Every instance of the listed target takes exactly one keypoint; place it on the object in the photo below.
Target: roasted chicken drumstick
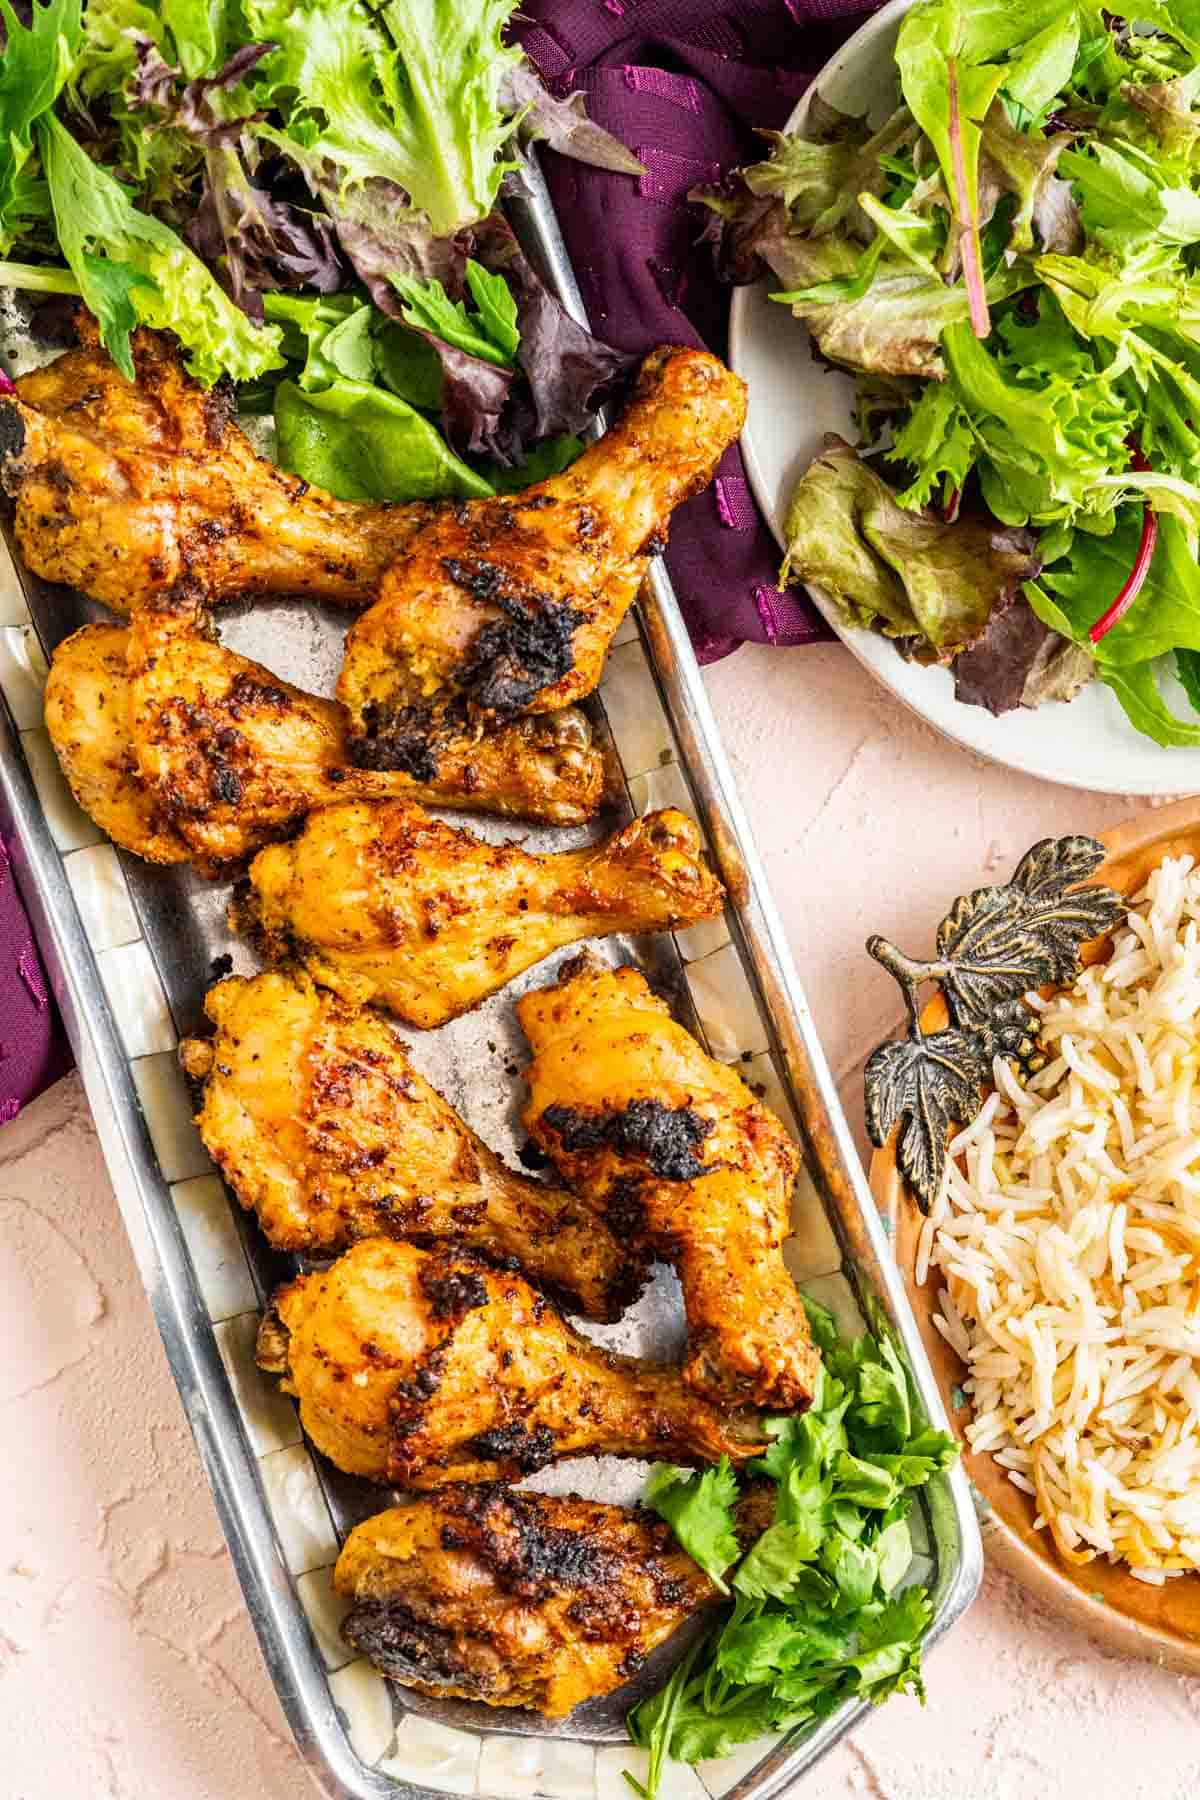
(384, 903)
(421, 1367)
(510, 604)
(318, 1121)
(686, 1161)
(182, 750)
(127, 490)
(514, 1599)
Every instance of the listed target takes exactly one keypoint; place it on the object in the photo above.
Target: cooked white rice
(1067, 1234)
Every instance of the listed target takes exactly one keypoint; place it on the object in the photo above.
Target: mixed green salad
(821, 1612)
(1011, 265)
(304, 192)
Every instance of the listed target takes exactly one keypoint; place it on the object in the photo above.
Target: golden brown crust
(512, 1598)
(319, 1123)
(385, 904)
(127, 490)
(684, 1160)
(180, 748)
(509, 605)
(422, 1367)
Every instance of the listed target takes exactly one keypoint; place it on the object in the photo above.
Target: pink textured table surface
(128, 1670)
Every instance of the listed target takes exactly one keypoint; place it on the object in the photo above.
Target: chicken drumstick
(385, 904)
(318, 1121)
(421, 1367)
(685, 1161)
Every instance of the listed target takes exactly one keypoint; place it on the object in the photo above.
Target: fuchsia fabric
(684, 83)
(33, 1048)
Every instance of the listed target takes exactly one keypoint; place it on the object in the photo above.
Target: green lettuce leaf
(1046, 437)
(1187, 669)
(132, 268)
(905, 573)
(890, 324)
(409, 95)
(1166, 614)
(34, 68)
(1126, 202)
(361, 443)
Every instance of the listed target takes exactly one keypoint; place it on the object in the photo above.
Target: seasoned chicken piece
(126, 491)
(87, 708)
(685, 1161)
(510, 604)
(386, 904)
(514, 1599)
(318, 1121)
(179, 749)
(420, 1367)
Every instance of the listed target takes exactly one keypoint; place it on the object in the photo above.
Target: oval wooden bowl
(1131, 1618)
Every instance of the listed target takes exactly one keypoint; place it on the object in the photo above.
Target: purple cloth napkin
(33, 1046)
(684, 83)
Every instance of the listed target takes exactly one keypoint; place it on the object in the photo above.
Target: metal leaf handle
(997, 944)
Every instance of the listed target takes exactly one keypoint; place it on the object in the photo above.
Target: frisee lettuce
(819, 1616)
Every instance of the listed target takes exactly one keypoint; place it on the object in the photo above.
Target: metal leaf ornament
(994, 946)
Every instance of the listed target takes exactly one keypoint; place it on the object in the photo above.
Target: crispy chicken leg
(179, 749)
(318, 1121)
(127, 491)
(510, 604)
(514, 1599)
(386, 904)
(634, 1114)
(421, 1367)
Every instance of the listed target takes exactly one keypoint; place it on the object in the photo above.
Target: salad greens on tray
(305, 193)
(1010, 264)
(819, 1614)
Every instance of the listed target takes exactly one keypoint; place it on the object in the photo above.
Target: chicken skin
(421, 1367)
(385, 904)
(182, 750)
(320, 1124)
(128, 491)
(514, 1599)
(510, 604)
(685, 1161)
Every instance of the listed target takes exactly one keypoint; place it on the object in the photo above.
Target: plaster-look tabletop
(128, 1670)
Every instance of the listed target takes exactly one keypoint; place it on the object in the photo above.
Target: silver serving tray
(129, 950)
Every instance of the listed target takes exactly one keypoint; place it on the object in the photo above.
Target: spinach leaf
(361, 443)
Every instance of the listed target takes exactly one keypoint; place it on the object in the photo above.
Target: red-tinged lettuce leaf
(562, 125)
(1024, 163)
(735, 223)
(819, 177)
(1167, 107)
(905, 573)
(895, 326)
(474, 396)
(253, 242)
(1020, 661)
(256, 244)
(1166, 614)
(378, 231)
(568, 372)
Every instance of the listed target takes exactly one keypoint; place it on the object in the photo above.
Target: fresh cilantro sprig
(819, 1616)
